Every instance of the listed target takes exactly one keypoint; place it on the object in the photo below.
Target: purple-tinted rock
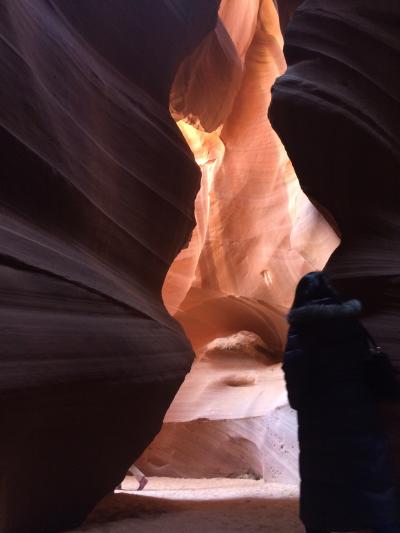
(337, 111)
(96, 192)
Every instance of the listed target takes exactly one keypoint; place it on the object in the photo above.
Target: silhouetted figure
(346, 479)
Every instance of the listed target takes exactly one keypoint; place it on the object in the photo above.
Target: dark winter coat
(346, 480)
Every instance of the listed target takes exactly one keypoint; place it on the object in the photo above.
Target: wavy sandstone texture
(99, 197)
(337, 110)
(257, 233)
(97, 193)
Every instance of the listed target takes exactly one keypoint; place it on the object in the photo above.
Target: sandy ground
(198, 506)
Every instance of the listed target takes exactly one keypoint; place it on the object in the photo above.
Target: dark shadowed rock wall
(337, 111)
(286, 9)
(96, 199)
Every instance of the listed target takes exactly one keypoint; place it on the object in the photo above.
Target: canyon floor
(197, 506)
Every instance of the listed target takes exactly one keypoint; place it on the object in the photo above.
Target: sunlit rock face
(257, 233)
(97, 194)
(337, 111)
(230, 418)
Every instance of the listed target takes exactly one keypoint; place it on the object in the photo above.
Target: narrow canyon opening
(228, 444)
(171, 169)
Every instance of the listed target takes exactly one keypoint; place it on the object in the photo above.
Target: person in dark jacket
(345, 469)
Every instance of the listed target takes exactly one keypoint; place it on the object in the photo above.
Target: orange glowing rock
(257, 234)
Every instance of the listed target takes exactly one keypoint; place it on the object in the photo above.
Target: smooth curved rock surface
(257, 233)
(97, 197)
(337, 111)
(230, 418)
(207, 83)
(262, 447)
(252, 204)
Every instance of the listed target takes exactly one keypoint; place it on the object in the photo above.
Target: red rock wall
(97, 192)
(257, 233)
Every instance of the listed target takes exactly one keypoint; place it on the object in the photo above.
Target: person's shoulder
(323, 311)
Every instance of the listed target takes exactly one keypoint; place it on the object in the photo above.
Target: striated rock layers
(257, 233)
(97, 192)
(337, 110)
(230, 418)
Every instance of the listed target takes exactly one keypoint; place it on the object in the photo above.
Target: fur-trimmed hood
(321, 310)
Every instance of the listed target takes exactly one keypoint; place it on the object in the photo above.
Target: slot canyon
(171, 169)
